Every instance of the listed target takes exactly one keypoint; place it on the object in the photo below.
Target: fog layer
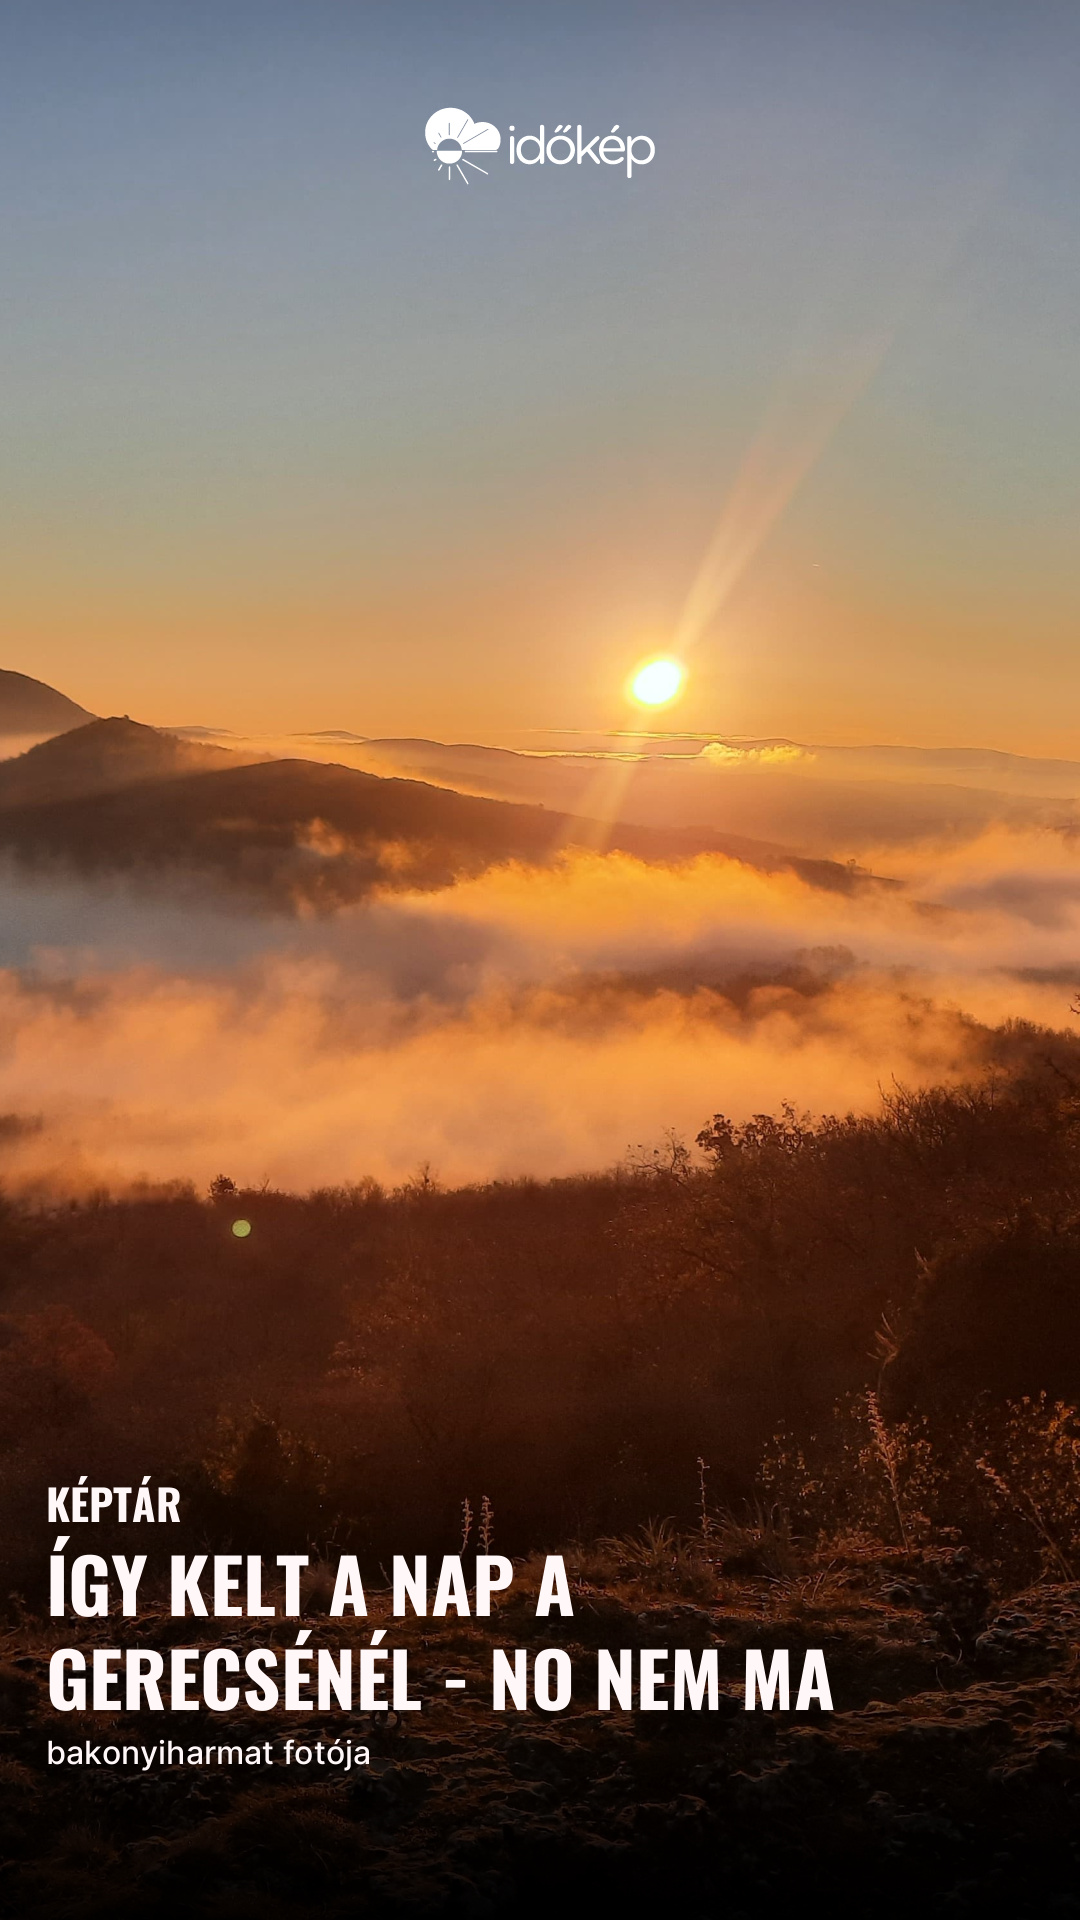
(524, 1023)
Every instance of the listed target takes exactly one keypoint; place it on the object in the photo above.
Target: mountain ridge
(98, 758)
(301, 832)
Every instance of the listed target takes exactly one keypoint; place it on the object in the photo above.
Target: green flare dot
(241, 1228)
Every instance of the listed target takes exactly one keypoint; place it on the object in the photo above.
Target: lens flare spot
(241, 1228)
(657, 682)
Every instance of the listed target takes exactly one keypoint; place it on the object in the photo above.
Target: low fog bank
(529, 1022)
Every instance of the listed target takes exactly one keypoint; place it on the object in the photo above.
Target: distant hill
(837, 801)
(29, 706)
(99, 758)
(298, 833)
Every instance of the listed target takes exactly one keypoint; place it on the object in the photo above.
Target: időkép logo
(455, 137)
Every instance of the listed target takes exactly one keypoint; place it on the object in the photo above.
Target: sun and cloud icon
(454, 136)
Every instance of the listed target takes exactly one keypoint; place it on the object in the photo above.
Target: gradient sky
(295, 434)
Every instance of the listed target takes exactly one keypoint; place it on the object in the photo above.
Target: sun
(657, 683)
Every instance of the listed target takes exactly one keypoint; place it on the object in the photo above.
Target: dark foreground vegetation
(946, 1781)
(839, 1363)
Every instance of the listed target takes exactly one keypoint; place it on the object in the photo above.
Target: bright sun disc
(657, 683)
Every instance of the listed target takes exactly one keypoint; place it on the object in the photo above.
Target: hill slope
(297, 832)
(99, 758)
(28, 706)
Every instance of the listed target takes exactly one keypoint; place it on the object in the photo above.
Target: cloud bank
(524, 1023)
